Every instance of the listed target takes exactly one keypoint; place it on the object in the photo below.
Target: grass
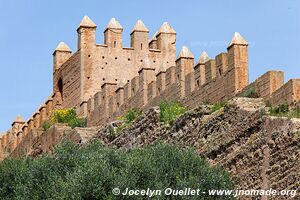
(250, 93)
(218, 106)
(284, 110)
(170, 111)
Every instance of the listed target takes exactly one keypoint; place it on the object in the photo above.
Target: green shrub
(250, 93)
(77, 122)
(67, 116)
(283, 110)
(92, 171)
(129, 117)
(170, 111)
(132, 115)
(217, 106)
(46, 125)
(63, 115)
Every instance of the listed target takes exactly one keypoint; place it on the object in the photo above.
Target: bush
(285, 111)
(63, 115)
(250, 93)
(77, 122)
(217, 106)
(67, 116)
(169, 111)
(46, 125)
(130, 116)
(92, 171)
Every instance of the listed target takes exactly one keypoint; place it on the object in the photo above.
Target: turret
(185, 60)
(113, 34)
(86, 33)
(17, 124)
(146, 76)
(200, 69)
(166, 42)
(60, 55)
(185, 65)
(139, 36)
(86, 45)
(238, 61)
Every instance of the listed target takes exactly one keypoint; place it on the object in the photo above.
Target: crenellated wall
(103, 81)
(209, 80)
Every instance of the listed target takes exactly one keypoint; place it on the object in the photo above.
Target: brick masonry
(103, 81)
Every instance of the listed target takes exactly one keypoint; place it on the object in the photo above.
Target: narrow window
(115, 44)
(60, 90)
(198, 83)
(220, 71)
(141, 46)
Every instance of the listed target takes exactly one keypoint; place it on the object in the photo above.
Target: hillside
(259, 151)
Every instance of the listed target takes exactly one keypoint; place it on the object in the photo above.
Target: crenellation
(221, 64)
(170, 76)
(210, 70)
(36, 119)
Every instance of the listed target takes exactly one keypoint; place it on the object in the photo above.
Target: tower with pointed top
(166, 43)
(86, 47)
(60, 55)
(139, 36)
(113, 34)
(17, 124)
(185, 66)
(200, 69)
(238, 63)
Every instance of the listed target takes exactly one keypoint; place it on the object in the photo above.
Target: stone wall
(103, 81)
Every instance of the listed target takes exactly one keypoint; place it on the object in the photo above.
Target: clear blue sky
(30, 30)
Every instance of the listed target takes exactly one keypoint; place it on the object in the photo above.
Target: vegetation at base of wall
(250, 93)
(92, 171)
(217, 106)
(67, 116)
(46, 125)
(284, 110)
(170, 111)
(130, 116)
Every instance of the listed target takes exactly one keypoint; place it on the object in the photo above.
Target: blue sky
(32, 29)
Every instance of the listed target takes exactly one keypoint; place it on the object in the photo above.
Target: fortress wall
(178, 84)
(266, 84)
(112, 62)
(289, 93)
(91, 78)
(70, 74)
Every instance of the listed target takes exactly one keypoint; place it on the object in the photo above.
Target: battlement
(103, 81)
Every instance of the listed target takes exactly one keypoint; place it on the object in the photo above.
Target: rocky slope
(259, 151)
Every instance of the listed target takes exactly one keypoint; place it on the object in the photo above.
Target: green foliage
(63, 115)
(218, 106)
(67, 116)
(77, 122)
(170, 111)
(130, 116)
(46, 125)
(92, 171)
(250, 93)
(283, 110)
